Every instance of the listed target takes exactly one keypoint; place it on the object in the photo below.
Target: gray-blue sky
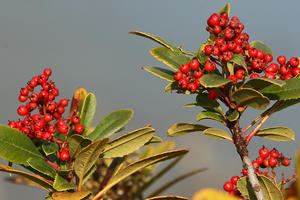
(87, 44)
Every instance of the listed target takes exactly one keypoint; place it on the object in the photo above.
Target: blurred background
(86, 44)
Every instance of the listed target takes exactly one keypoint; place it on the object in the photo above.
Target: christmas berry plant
(228, 69)
(68, 158)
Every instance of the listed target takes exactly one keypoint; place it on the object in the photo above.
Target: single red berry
(33, 97)
(198, 73)
(257, 63)
(55, 92)
(50, 106)
(47, 72)
(38, 134)
(51, 97)
(213, 95)
(185, 68)
(264, 152)
(227, 55)
(64, 102)
(208, 49)
(260, 54)
(217, 29)
(228, 186)
(286, 162)
(231, 45)
(60, 109)
(79, 128)
(238, 41)
(272, 162)
(252, 52)
(61, 123)
(22, 98)
(43, 95)
(194, 64)
(268, 58)
(48, 117)
(12, 124)
(42, 78)
(254, 75)
(213, 20)
(288, 76)
(215, 51)
(220, 41)
(281, 60)
(25, 130)
(47, 136)
(229, 33)
(240, 74)
(210, 66)
(269, 75)
(27, 121)
(238, 49)
(183, 83)
(240, 27)
(33, 83)
(255, 164)
(51, 129)
(36, 117)
(178, 75)
(274, 153)
(294, 61)
(46, 86)
(22, 110)
(233, 78)
(64, 155)
(272, 68)
(24, 91)
(296, 71)
(192, 87)
(284, 69)
(222, 21)
(63, 129)
(234, 180)
(75, 119)
(259, 160)
(265, 163)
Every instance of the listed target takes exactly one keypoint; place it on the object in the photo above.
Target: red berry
(194, 64)
(255, 164)
(227, 55)
(288, 76)
(79, 128)
(198, 73)
(47, 136)
(274, 153)
(217, 29)
(183, 83)
(272, 68)
(268, 58)
(265, 163)
(233, 78)
(213, 95)
(284, 69)
(296, 71)
(208, 49)
(55, 92)
(234, 180)
(231, 45)
(229, 33)
(281, 60)
(220, 41)
(215, 51)
(254, 75)
(22, 98)
(43, 95)
(192, 87)
(38, 134)
(240, 74)
(260, 54)
(22, 110)
(63, 129)
(240, 27)
(264, 152)
(60, 109)
(64, 102)
(252, 52)
(286, 162)
(42, 78)
(210, 66)
(257, 63)
(33, 83)
(259, 160)
(272, 162)
(33, 97)
(270, 75)
(185, 68)
(51, 129)
(75, 119)
(12, 124)
(64, 155)
(178, 75)
(228, 186)
(47, 72)
(24, 91)
(213, 20)
(294, 61)
(50, 106)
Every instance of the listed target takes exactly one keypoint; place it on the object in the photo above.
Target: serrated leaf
(50, 148)
(77, 143)
(87, 157)
(251, 97)
(277, 134)
(70, 195)
(167, 198)
(230, 68)
(291, 90)
(111, 124)
(261, 46)
(184, 128)
(88, 111)
(16, 147)
(270, 191)
(77, 100)
(233, 116)
(213, 80)
(238, 59)
(128, 143)
(140, 164)
(42, 182)
(156, 39)
(161, 72)
(210, 115)
(171, 58)
(261, 83)
(212, 194)
(154, 140)
(60, 184)
(41, 166)
(226, 9)
(217, 134)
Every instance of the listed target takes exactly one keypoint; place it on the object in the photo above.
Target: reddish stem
(55, 166)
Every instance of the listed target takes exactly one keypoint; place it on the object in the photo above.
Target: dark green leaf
(226, 8)
(271, 191)
(261, 46)
(288, 103)
(213, 80)
(50, 148)
(251, 97)
(233, 116)
(76, 143)
(261, 83)
(161, 72)
(128, 143)
(277, 134)
(204, 102)
(184, 128)
(16, 147)
(217, 134)
(88, 111)
(210, 115)
(60, 184)
(156, 39)
(238, 59)
(111, 124)
(170, 58)
(41, 166)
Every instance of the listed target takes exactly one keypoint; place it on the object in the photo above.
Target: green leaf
(88, 111)
(87, 157)
(161, 72)
(167, 198)
(217, 134)
(42, 182)
(128, 143)
(271, 191)
(213, 80)
(226, 8)
(111, 124)
(154, 140)
(204, 102)
(184, 128)
(140, 164)
(277, 134)
(233, 116)
(261, 83)
(174, 86)
(50, 148)
(16, 147)
(288, 103)
(291, 90)
(76, 143)
(89, 174)
(151, 150)
(238, 59)
(230, 68)
(251, 97)
(77, 100)
(60, 184)
(41, 166)
(210, 115)
(261, 46)
(171, 58)
(212, 194)
(156, 39)
(70, 195)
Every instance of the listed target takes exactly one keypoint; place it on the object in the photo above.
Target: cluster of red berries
(267, 159)
(48, 120)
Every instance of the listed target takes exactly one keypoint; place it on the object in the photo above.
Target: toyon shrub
(229, 74)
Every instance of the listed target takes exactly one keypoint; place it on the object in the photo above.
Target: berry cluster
(267, 160)
(227, 40)
(43, 116)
